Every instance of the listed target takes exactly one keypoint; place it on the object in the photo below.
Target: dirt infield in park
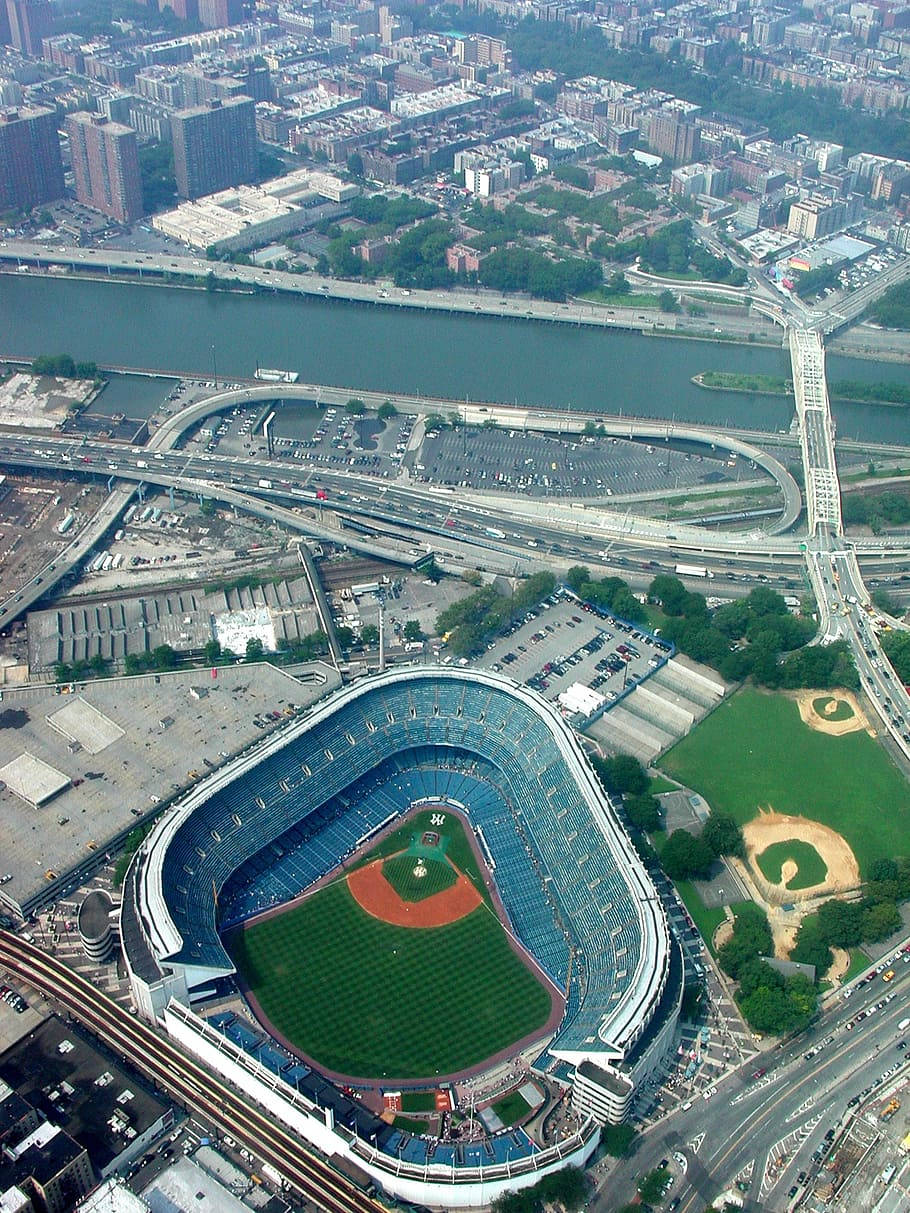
(770, 827)
(373, 893)
(805, 701)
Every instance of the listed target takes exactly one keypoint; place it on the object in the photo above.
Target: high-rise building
(214, 146)
(31, 170)
(105, 165)
(30, 22)
(679, 139)
(216, 14)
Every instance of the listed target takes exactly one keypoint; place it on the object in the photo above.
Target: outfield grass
(754, 752)
(369, 999)
(511, 1108)
(399, 872)
(812, 869)
(842, 711)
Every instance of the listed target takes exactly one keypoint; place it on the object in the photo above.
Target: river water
(408, 350)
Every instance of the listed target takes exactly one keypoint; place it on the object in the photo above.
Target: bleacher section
(293, 817)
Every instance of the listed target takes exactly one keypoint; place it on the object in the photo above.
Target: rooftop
(104, 795)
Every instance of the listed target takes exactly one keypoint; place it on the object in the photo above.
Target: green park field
(755, 752)
(368, 999)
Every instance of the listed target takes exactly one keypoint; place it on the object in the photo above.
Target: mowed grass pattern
(399, 872)
(754, 752)
(369, 1000)
(812, 868)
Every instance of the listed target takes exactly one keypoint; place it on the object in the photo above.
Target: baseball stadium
(414, 880)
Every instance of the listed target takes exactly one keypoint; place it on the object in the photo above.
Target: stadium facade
(290, 808)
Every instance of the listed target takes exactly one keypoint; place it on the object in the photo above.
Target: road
(844, 606)
(187, 1081)
(787, 1109)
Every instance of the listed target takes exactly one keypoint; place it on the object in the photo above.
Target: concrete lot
(177, 726)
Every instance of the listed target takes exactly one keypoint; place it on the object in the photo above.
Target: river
(408, 350)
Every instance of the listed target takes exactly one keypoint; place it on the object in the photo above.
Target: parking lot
(565, 641)
(314, 435)
(544, 465)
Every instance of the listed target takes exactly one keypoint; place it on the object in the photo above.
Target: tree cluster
(770, 1002)
(876, 510)
(893, 309)
(156, 175)
(610, 593)
(673, 250)
(897, 647)
(416, 259)
(64, 367)
(624, 776)
(473, 620)
(754, 636)
(567, 1188)
(521, 269)
(390, 213)
(594, 210)
(685, 856)
(813, 282)
(847, 924)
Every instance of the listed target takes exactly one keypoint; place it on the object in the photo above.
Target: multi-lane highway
(778, 1105)
(184, 1078)
(845, 609)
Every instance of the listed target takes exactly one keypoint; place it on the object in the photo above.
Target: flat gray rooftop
(32, 779)
(80, 721)
(171, 738)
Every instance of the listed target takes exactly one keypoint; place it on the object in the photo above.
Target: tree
(879, 921)
(211, 651)
(667, 301)
(622, 774)
(345, 636)
(617, 284)
(685, 856)
(643, 812)
(811, 948)
(413, 631)
(369, 634)
(164, 657)
(723, 835)
(617, 1139)
(577, 577)
(355, 407)
(651, 1186)
(255, 650)
(386, 411)
(840, 923)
